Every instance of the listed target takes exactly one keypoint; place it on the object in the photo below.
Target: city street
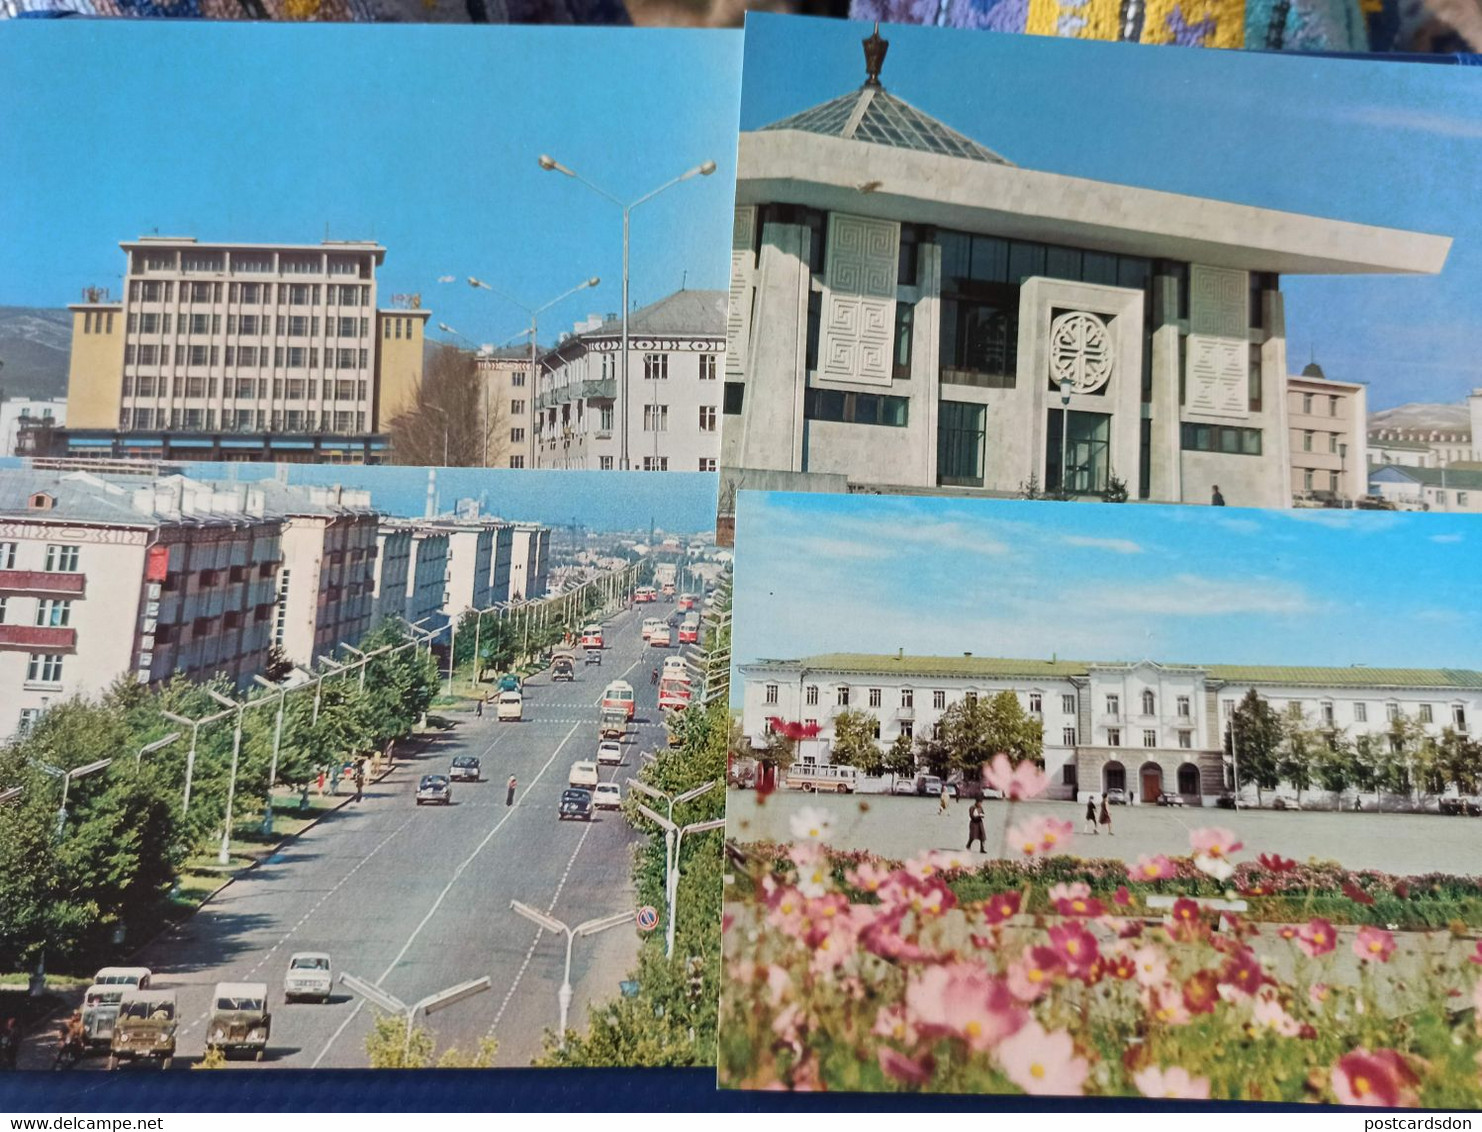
(898, 827)
(416, 898)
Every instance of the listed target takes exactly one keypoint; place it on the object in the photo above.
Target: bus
(821, 778)
(591, 636)
(645, 593)
(618, 696)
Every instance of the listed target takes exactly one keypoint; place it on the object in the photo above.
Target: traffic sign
(648, 918)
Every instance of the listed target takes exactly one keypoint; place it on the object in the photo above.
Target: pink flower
(1270, 1013)
(1152, 966)
(1317, 993)
(1373, 943)
(1377, 1080)
(867, 876)
(1317, 937)
(1042, 1064)
(813, 868)
(1476, 956)
(1015, 782)
(1072, 890)
(1173, 1083)
(1031, 975)
(1075, 899)
(1122, 898)
(903, 1069)
(1001, 906)
(786, 915)
(1276, 863)
(1039, 835)
(1157, 867)
(1165, 1004)
(1243, 972)
(1076, 946)
(1185, 922)
(891, 1023)
(1212, 842)
(961, 1000)
(1201, 992)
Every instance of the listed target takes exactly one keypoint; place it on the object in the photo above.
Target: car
(1226, 801)
(991, 793)
(660, 638)
(904, 786)
(510, 682)
(466, 768)
(929, 784)
(1461, 807)
(609, 753)
(240, 1022)
(583, 775)
(650, 624)
(510, 708)
(122, 976)
(100, 1011)
(145, 1027)
(435, 788)
(563, 666)
(1168, 798)
(607, 796)
(576, 804)
(1116, 797)
(1285, 803)
(594, 656)
(308, 976)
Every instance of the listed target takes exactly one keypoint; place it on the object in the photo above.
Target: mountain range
(34, 346)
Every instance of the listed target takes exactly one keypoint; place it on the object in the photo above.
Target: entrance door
(1152, 783)
(960, 431)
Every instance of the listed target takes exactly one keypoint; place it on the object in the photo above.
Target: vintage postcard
(989, 265)
(317, 766)
(1106, 801)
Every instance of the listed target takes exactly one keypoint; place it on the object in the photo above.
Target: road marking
(436, 904)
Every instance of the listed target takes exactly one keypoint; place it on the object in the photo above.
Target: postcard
(1006, 266)
(1104, 801)
(310, 766)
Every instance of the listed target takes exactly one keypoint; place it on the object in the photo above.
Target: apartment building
(671, 419)
(226, 351)
(509, 404)
(1144, 727)
(529, 561)
(411, 570)
(104, 578)
(1329, 437)
(27, 422)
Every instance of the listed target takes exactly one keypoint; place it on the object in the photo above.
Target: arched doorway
(1113, 776)
(1188, 780)
(1151, 779)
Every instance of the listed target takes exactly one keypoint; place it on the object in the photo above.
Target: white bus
(821, 778)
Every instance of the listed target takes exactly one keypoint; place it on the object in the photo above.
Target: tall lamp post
(586, 928)
(534, 313)
(1065, 389)
(1343, 474)
(38, 977)
(429, 1005)
(150, 748)
(195, 726)
(704, 169)
(224, 856)
(673, 840)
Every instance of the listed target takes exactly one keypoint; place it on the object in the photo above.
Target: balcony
(48, 638)
(42, 582)
(905, 712)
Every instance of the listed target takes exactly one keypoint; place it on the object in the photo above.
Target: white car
(607, 796)
(660, 638)
(609, 753)
(652, 623)
(308, 976)
(583, 775)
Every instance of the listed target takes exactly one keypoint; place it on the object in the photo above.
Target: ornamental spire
(874, 50)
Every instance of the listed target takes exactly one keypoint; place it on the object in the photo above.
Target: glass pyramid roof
(870, 114)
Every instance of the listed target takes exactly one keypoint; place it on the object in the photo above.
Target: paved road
(901, 826)
(417, 898)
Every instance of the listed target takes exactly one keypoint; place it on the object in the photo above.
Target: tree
(1296, 763)
(1458, 761)
(856, 740)
(278, 667)
(900, 759)
(975, 729)
(450, 421)
(1334, 763)
(1253, 743)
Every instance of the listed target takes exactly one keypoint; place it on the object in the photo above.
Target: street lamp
(38, 978)
(225, 855)
(589, 927)
(1343, 474)
(444, 414)
(150, 748)
(267, 810)
(195, 726)
(534, 313)
(429, 1005)
(550, 164)
(1065, 390)
(10, 795)
(673, 839)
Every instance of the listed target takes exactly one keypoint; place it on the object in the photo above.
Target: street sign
(648, 918)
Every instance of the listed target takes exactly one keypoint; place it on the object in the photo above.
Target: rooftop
(683, 312)
(1453, 477)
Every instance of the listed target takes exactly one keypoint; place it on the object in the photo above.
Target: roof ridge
(866, 96)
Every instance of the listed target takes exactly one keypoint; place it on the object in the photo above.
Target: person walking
(10, 1043)
(942, 801)
(1091, 814)
(509, 791)
(359, 780)
(1216, 500)
(478, 707)
(1106, 816)
(975, 826)
(321, 782)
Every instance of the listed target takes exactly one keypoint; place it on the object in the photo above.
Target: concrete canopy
(780, 166)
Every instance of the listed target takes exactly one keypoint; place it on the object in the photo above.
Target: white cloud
(1360, 522)
(1240, 526)
(1190, 595)
(1114, 545)
(1447, 538)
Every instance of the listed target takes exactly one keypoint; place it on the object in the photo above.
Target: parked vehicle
(583, 775)
(1116, 797)
(435, 788)
(904, 786)
(607, 796)
(511, 707)
(618, 696)
(873, 784)
(1225, 801)
(122, 976)
(822, 778)
(576, 804)
(591, 636)
(1461, 807)
(1285, 803)
(609, 753)
(563, 666)
(308, 976)
(466, 768)
(240, 1022)
(1168, 798)
(928, 784)
(145, 1027)
(100, 1012)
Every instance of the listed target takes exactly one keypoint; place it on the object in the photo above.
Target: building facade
(673, 413)
(411, 572)
(1141, 727)
(26, 424)
(1404, 436)
(109, 578)
(509, 403)
(224, 351)
(470, 566)
(1328, 438)
(913, 311)
(530, 552)
(1444, 488)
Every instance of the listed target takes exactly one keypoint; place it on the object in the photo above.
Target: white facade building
(1143, 727)
(1329, 437)
(19, 414)
(674, 389)
(529, 562)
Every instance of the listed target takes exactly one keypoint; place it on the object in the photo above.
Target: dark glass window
(909, 257)
(1133, 272)
(980, 338)
(815, 318)
(1145, 460)
(990, 259)
(905, 317)
(856, 408)
(1063, 263)
(1087, 452)
(960, 432)
(1025, 260)
(1099, 267)
(735, 394)
(1231, 440)
(1254, 381)
(956, 257)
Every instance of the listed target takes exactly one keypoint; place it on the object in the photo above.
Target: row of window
(292, 326)
(1393, 712)
(1149, 738)
(293, 357)
(1309, 403)
(856, 408)
(52, 613)
(245, 388)
(1333, 444)
(61, 558)
(875, 697)
(241, 420)
(650, 463)
(295, 294)
(251, 263)
(1231, 440)
(1149, 702)
(397, 327)
(97, 322)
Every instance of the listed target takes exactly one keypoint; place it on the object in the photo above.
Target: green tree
(1254, 738)
(856, 740)
(1334, 763)
(976, 728)
(1459, 760)
(900, 759)
(1297, 758)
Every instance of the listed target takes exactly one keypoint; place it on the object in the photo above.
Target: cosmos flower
(1377, 1080)
(1031, 975)
(1076, 947)
(1015, 782)
(1157, 867)
(811, 824)
(1213, 842)
(1317, 938)
(897, 1065)
(1000, 906)
(1042, 1064)
(962, 1000)
(1173, 1083)
(1373, 943)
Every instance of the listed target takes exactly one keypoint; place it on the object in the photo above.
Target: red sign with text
(158, 564)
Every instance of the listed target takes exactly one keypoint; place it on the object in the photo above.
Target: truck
(563, 666)
(612, 724)
(510, 708)
(240, 1022)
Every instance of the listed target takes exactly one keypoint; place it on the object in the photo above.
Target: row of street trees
(74, 881)
(1267, 748)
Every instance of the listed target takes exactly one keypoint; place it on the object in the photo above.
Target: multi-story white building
(914, 312)
(109, 578)
(529, 562)
(411, 571)
(1429, 435)
(242, 351)
(1329, 446)
(470, 565)
(509, 404)
(674, 390)
(1143, 727)
(393, 570)
(22, 417)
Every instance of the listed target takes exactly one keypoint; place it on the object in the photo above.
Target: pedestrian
(1217, 500)
(478, 707)
(10, 1043)
(334, 781)
(509, 791)
(942, 801)
(321, 782)
(359, 780)
(1091, 814)
(1106, 816)
(975, 825)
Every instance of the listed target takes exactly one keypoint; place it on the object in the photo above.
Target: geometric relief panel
(738, 313)
(858, 325)
(1218, 356)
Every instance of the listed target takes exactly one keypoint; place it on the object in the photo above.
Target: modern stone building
(227, 351)
(411, 571)
(1328, 437)
(674, 396)
(1143, 727)
(915, 312)
(529, 562)
(509, 403)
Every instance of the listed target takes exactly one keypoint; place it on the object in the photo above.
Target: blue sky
(600, 501)
(424, 138)
(1371, 142)
(843, 573)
